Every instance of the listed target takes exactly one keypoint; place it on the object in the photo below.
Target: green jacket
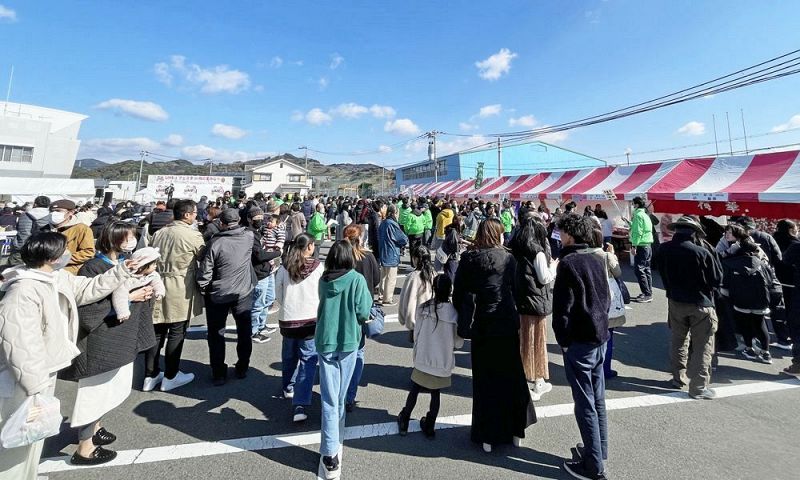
(508, 220)
(316, 226)
(426, 215)
(402, 219)
(415, 224)
(344, 305)
(641, 228)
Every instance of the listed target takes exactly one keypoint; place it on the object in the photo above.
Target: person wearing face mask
(108, 346)
(80, 240)
(39, 324)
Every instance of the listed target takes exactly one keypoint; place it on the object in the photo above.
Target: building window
(295, 178)
(425, 171)
(262, 177)
(10, 153)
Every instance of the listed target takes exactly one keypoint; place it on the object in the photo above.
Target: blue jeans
(352, 390)
(641, 264)
(583, 365)
(299, 367)
(263, 296)
(335, 372)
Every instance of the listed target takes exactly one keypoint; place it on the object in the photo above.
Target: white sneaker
(180, 380)
(539, 389)
(517, 442)
(288, 394)
(150, 382)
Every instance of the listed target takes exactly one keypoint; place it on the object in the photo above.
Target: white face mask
(129, 245)
(57, 218)
(63, 260)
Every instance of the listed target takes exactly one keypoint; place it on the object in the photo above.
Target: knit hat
(229, 216)
(255, 212)
(63, 203)
(145, 255)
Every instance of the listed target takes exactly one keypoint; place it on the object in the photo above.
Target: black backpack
(750, 285)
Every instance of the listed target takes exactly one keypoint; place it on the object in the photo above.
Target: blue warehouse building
(519, 159)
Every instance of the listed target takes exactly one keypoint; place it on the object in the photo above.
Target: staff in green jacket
(317, 227)
(642, 241)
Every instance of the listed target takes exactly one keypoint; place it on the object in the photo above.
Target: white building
(37, 142)
(278, 175)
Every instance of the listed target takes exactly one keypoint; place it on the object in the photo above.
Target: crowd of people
(88, 288)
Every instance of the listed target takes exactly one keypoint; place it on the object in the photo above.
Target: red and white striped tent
(758, 185)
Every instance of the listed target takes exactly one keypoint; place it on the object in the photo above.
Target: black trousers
(171, 335)
(216, 316)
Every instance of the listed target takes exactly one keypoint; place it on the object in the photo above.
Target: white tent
(23, 190)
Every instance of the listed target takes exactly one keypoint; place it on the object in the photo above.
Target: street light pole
(142, 154)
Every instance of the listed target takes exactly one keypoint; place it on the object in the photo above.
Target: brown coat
(80, 242)
(180, 246)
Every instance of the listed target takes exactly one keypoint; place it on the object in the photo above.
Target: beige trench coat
(180, 246)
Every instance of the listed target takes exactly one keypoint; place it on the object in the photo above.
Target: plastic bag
(45, 421)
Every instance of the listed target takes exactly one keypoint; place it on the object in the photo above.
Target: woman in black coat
(104, 368)
(484, 296)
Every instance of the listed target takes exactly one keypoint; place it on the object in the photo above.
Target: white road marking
(268, 442)
(390, 318)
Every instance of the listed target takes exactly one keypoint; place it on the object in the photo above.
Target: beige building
(277, 175)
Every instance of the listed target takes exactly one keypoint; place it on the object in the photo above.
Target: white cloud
(523, 121)
(276, 62)
(384, 149)
(793, 123)
(401, 126)
(496, 65)
(323, 83)
(217, 79)
(336, 61)
(197, 152)
(490, 110)
(467, 127)
(7, 14)
(382, 111)
(316, 116)
(554, 137)
(350, 110)
(173, 140)
(132, 108)
(692, 129)
(116, 149)
(228, 131)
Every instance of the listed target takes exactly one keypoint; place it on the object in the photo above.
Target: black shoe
(577, 470)
(98, 457)
(611, 374)
(241, 372)
(349, 407)
(331, 466)
(103, 437)
(219, 381)
(402, 422)
(578, 452)
(428, 426)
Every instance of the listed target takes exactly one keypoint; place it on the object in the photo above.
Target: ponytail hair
(295, 260)
(421, 258)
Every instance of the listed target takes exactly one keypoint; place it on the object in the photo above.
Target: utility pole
(383, 178)
(499, 159)
(210, 166)
(8, 92)
(744, 130)
(432, 153)
(714, 122)
(628, 156)
(142, 154)
(730, 140)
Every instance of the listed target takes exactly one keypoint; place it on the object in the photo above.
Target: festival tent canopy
(762, 185)
(24, 190)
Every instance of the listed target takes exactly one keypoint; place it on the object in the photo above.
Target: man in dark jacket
(30, 222)
(791, 259)
(763, 239)
(690, 274)
(373, 222)
(227, 279)
(161, 217)
(581, 300)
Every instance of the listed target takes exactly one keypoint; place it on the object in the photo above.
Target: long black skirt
(501, 402)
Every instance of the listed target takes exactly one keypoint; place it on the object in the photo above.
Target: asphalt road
(244, 429)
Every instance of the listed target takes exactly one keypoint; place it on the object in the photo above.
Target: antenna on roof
(8, 92)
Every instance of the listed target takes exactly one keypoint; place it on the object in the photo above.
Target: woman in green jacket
(344, 305)
(317, 227)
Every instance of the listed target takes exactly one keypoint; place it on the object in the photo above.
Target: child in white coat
(435, 339)
(146, 275)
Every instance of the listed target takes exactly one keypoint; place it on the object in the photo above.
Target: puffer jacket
(40, 215)
(483, 292)
(39, 321)
(226, 271)
(532, 297)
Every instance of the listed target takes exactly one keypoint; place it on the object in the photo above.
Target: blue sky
(234, 80)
